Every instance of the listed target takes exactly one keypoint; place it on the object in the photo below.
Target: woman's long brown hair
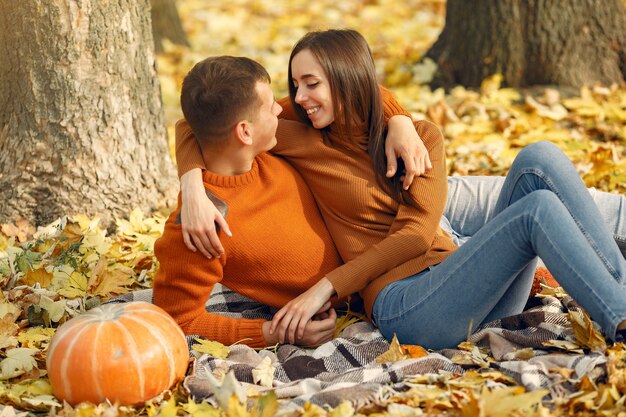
(348, 63)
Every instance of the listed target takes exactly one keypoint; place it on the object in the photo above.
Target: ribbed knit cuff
(342, 286)
(251, 333)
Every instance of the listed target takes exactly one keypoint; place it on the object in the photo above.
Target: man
(230, 107)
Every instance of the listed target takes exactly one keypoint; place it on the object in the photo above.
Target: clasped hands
(308, 319)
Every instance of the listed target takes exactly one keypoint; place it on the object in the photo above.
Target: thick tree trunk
(81, 125)
(532, 42)
(166, 24)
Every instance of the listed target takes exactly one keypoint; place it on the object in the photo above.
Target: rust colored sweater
(379, 240)
(280, 248)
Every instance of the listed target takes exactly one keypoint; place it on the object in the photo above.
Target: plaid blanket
(345, 367)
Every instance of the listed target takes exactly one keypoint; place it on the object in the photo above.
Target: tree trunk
(532, 42)
(81, 126)
(166, 24)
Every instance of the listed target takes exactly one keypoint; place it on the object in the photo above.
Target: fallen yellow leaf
(215, 349)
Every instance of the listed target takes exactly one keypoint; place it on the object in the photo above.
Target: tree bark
(532, 42)
(81, 126)
(166, 24)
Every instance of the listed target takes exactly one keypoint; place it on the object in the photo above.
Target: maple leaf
(201, 409)
(471, 355)
(504, 401)
(215, 349)
(7, 308)
(8, 330)
(393, 354)
(55, 309)
(168, 408)
(585, 332)
(22, 229)
(263, 373)
(74, 286)
(114, 280)
(17, 362)
(35, 336)
(38, 276)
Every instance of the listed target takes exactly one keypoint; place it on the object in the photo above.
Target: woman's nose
(299, 96)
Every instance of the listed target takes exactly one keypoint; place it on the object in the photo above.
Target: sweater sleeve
(184, 283)
(188, 152)
(413, 230)
(390, 106)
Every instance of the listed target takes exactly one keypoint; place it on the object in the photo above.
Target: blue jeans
(543, 210)
(472, 201)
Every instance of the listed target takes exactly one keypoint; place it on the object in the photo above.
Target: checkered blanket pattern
(345, 367)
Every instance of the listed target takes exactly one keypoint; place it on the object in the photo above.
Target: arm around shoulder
(188, 152)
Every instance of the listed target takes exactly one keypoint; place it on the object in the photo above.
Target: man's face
(264, 127)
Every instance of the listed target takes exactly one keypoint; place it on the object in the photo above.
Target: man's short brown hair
(219, 92)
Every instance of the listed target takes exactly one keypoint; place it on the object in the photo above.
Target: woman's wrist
(191, 183)
(326, 287)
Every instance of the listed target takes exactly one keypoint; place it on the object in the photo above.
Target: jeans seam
(543, 176)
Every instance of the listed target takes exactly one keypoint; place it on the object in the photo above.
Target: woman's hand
(199, 216)
(404, 142)
(290, 321)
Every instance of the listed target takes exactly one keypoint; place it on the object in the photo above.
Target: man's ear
(243, 132)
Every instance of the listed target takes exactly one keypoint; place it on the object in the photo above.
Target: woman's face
(312, 89)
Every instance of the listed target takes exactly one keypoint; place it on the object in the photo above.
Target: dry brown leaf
(585, 332)
(8, 332)
(22, 230)
(115, 280)
(393, 354)
(38, 276)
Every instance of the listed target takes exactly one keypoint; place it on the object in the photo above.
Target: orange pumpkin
(126, 353)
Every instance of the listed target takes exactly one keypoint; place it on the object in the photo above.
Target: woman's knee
(542, 154)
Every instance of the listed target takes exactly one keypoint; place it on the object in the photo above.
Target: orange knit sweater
(280, 247)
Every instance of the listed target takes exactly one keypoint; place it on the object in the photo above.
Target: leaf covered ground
(50, 274)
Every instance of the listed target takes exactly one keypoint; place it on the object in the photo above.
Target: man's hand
(404, 142)
(199, 216)
(291, 320)
(319, 330)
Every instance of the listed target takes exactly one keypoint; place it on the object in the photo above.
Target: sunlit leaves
(17, 362)
(213, 348)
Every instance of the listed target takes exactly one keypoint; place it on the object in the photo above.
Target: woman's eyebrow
(306, 76)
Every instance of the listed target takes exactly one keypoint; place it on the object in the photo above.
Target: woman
(407, 269)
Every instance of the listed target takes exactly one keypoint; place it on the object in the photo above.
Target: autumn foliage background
(54, 273)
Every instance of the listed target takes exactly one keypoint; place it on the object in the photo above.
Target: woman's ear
(243, 132)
